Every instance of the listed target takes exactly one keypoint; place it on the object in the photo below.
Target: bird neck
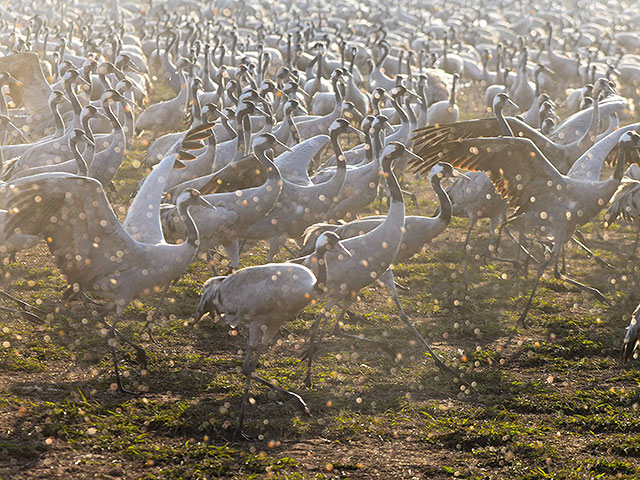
(83, 169)
(621, 162)
(335, 143)
(504, 126)
(445, 201)
(321, 274)
(392, 182)
(377, 143)
(400, 111)
(293, 129)
(590, 135)
(273, 173)
(452, 97)
(57, 118)
(77, 108)
(368, 147)
(193, 236)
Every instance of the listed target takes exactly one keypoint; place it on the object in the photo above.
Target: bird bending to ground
(264, 297)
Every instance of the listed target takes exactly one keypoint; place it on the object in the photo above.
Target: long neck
(57, 118)
(83, 170)
(321, 274)
(445, 201)
(452, 97)
(340, 161)
(394, 187)
(272, 170)
(295, 134)
(68, 87)
(377, 142)
(87, 128)
(193, 236)
(504, 126)
(620, 164)
(590, 135)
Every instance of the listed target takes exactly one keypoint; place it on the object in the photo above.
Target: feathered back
(625, 202)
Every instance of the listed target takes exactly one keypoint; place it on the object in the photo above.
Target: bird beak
(513, 104)
(340, 248)
(286, 147)
(412, 155)
(205, 203)
(302, 110)
(353, 129)
(388, 128)
(304, 94)
(82, 81)
(102, 116)
(413, 94)
(547, 71)
(457, 174)
(88, 140)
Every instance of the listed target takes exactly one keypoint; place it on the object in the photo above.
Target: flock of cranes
(264, 89)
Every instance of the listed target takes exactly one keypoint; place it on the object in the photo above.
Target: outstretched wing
(428, 140)
(631, 338)
(517, 168)
(143, 217)
(75, 218)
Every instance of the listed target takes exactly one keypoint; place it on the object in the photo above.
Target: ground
(547, 401)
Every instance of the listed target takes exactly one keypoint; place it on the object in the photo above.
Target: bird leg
(312, 339)
(28, 315)
(300, 403)
(465, 257)
(388, 281)
(581, 286)
(141, 354)
(523, 316)
(597, 230)
(112, 345)
(581, 243)
(151, 321)
(412, 196)
(24, 308)
(635, 243)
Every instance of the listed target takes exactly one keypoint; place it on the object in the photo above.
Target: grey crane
(92, 247)
(235, 211)
(264, 297)
(543, 197)
(371, 255)
(631, 337)
(429, 140)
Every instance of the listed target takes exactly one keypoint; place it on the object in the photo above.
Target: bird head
(502, 100)
(444, 170)
(330, 241)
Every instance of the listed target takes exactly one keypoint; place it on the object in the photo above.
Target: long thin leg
(523, 316)
(635, 243)
(581, 286)
(148, 324)
(387, 280)
(116, 368)
(20, 303)
(578, 239)
(465, 257)
(28, 315)
(312, 346)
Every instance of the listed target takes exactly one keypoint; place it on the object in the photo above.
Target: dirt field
(548, 401)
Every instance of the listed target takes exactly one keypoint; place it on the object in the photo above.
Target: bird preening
(295, 154)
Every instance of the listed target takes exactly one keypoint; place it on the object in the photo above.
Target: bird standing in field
(92, 248)
(544, 199)
(264, 297)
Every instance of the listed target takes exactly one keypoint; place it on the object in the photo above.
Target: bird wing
(34, 91)
(517, 168)
(74, 216)
(428, 140)
(631, 338)
(294, 165)
(143, 218)
(625, 202)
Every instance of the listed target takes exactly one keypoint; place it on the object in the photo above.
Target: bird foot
(239, 435)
